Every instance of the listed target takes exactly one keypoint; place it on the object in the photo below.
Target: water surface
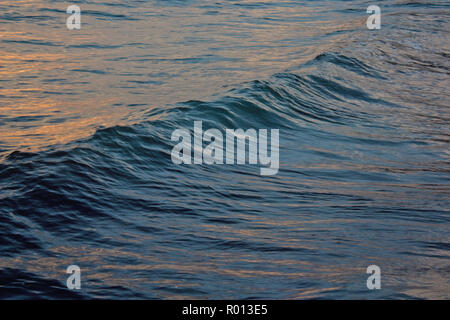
(86, 176)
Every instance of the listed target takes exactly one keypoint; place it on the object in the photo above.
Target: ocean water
(86, 176)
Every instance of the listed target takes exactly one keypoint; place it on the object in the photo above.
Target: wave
(363, 179)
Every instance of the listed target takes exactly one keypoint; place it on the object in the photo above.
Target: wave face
(364, 158)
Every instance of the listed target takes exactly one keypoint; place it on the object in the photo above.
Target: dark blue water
(86, 175)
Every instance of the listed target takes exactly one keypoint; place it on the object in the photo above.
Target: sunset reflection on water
(59, 85)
